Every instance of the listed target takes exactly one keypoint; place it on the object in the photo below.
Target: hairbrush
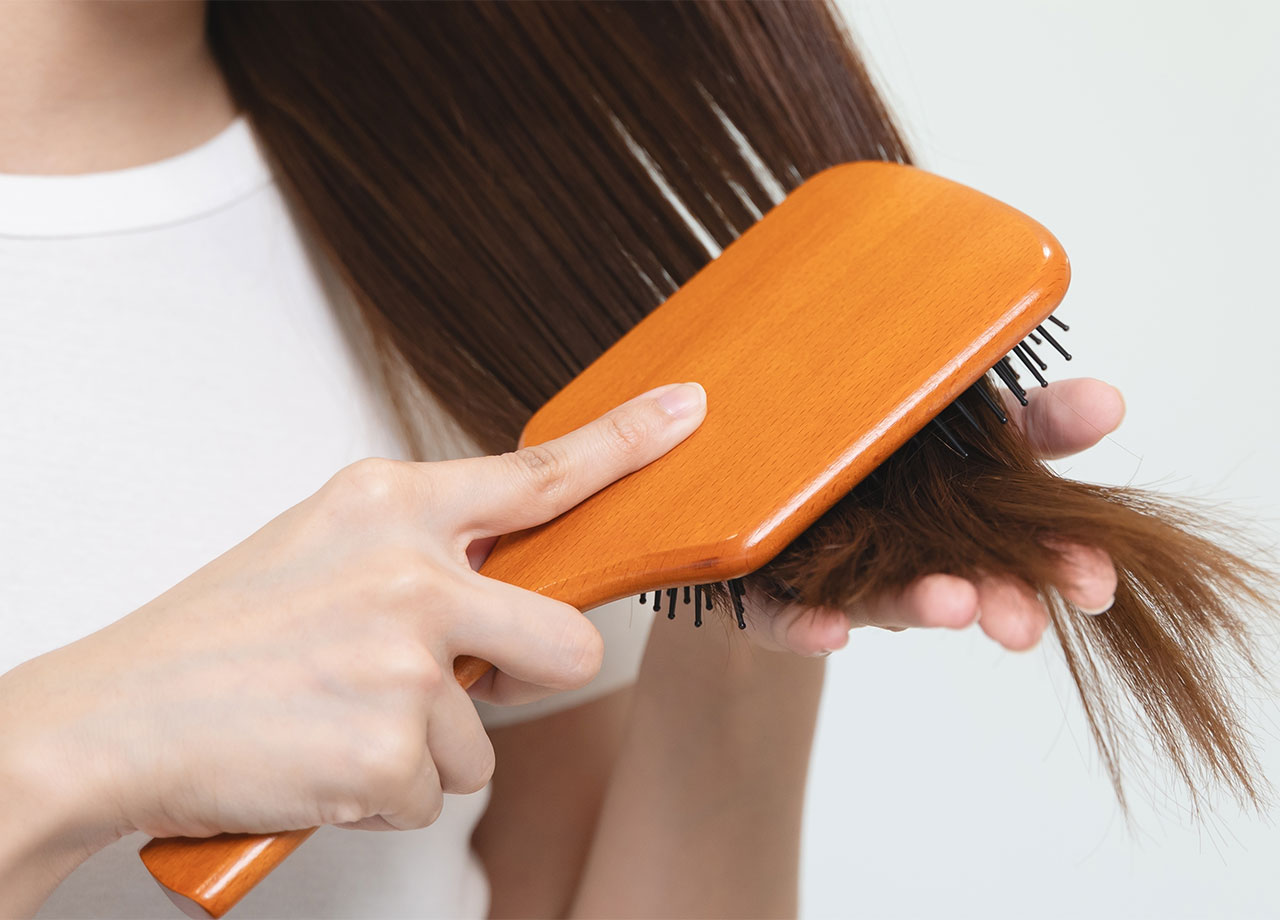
(833, 331)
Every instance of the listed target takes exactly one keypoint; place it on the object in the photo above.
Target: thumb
(1069, 416)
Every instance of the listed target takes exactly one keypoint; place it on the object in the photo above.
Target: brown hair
(506, 189)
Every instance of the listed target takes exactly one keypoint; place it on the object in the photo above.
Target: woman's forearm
(34, 858)
(49, 821)
(703, 813)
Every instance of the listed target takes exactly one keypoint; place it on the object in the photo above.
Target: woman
(173, 375)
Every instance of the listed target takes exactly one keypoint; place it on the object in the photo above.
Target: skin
(90, 86)
(585, 817)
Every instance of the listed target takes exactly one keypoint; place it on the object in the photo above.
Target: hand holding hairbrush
(852, 443)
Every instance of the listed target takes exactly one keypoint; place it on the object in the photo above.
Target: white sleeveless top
(172, 376)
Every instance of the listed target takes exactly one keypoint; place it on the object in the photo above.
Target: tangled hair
(506, 189)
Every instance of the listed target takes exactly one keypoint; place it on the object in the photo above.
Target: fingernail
(683, 400)
(822, 654)
(1103, 609)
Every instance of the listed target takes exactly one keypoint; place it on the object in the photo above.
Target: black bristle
(697, 606)
(966, 414)
(710, 597)
(1059, 323)
(657, 601)
(949, 437)
(671, 603)
(643, 594)
(1033, 337)
(1034, 357)
(1007, 378)
(1003, 372)
(735, 592)
(1035, 372)
(1013, 373)
(1054, 342)
(992, 404)
(686, 595)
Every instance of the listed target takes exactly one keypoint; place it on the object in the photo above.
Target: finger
(1068, 416)
(1011, 613)
(795, 628)
(497, 495)
(501, 689)
(534, 639)
(403, 786)
(458, 744)
(812, 630)
(1087, 578)
(937, 601)
(415, 805)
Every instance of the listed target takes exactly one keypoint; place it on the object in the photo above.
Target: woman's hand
(1063, 419)
(305, 677)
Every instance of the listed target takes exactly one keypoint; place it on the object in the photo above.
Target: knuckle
(370, 483)
(626, 432)
(405, 578)
(410, 667)
(545, 469)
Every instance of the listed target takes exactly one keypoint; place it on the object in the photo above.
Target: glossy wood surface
(825, 336)
(207, 877)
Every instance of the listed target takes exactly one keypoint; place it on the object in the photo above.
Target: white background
(955, 780)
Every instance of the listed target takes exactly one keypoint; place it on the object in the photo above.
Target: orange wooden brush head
(826, 336)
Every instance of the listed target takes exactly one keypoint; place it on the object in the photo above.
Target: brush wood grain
(825, 336)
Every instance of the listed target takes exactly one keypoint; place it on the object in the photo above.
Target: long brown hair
(506, 189)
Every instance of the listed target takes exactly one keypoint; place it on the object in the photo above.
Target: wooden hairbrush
(826, 336)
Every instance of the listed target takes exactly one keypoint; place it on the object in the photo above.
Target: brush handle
(206, 877)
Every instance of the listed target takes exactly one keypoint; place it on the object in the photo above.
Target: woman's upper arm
(550, 779)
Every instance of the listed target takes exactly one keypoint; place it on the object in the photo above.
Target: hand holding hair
(1067, 417)
(305, 676)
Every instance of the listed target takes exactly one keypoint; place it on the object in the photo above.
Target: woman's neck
(91, 86)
